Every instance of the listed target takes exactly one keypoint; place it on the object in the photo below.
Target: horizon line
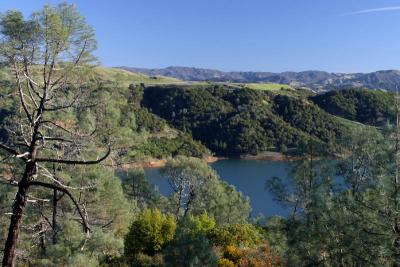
(227, 71)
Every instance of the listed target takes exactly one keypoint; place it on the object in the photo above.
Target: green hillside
(268, 86)
(124, 77)
(361, 105)
(113, 75)
(234, 121)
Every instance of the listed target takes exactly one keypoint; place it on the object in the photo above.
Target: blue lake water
(248, 176)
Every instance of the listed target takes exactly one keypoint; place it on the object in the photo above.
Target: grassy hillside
(267, 86)
(124, 77)
(114, 75)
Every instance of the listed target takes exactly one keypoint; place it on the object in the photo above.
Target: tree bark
(178, 205)
(42, 238)
(16, 217)
(13, 231)
(54, 218)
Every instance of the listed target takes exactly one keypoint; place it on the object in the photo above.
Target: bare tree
(50, 58)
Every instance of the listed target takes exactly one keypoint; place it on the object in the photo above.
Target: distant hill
(316, 80)
(124, 77)
(114, 75)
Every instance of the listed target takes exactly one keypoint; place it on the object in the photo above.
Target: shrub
(190, 246)
(143, 260)
(233, 254)
(225, 263)
(261, 256)
(149, 233)
(237, 235)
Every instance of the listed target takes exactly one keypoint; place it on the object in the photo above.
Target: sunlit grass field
(124, 77)
(267, 86)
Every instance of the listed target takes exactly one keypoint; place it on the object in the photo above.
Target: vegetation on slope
(365, 106)
(125, 78)
(267, 86)
(232, 121)
(139, 134)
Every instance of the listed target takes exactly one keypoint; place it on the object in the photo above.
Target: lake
(248, 176)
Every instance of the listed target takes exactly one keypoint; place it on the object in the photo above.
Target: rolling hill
(315, 80)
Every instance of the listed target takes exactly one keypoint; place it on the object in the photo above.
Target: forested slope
(234, 121)
(362, 105)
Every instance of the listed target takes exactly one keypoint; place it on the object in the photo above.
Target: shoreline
(159, 163)
(269, 155)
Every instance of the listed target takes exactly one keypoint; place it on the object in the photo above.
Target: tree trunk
(178, 205)
(17, 213)
(54, 218)
(189, 202)
(42, 238)
(13, 231)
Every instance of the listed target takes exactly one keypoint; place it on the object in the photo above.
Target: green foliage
(74, 249)
(190, 251)
(348, 220)
(149, 233)
(233, 121)
(237, 235)
(190, 246)
(201, 225)
(223, 202)
(137, 189)
(362, 105)
(111, 208)
(308, 192)
(141, 134)
(303, 115)
(147, 121)
(370, 174)
(275, 228)
(181, 145)
(144, 260)
(108, 211)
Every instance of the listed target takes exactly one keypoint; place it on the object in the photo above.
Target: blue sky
(248, 35)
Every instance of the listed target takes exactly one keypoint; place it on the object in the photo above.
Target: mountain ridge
(316, 80)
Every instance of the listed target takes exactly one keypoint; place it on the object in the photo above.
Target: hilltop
(315, 80)
(124, 77)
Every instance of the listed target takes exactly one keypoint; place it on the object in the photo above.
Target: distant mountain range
(316, 80)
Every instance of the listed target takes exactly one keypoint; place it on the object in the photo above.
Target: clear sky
(256, 35)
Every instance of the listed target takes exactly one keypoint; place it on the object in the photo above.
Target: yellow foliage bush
(261, 256)
(232, 253)
(225, 263)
